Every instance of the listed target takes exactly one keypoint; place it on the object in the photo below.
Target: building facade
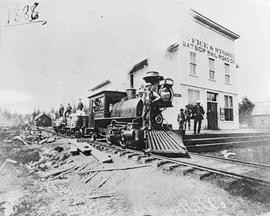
(198, 54)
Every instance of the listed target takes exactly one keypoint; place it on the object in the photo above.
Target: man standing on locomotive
(61, 110)
(80, 105)
(141, 92)
(198, 116)
(68, 110)
(149, 98)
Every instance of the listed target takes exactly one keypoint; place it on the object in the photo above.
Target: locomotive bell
(152, 77)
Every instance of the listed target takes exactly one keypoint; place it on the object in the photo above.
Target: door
(212, 118)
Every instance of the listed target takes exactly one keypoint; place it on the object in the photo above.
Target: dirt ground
(139, 191)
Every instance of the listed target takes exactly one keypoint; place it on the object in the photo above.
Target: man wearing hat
(68, 110)
(61, 110)
(141, 91)
(198, 117)
(181, 122)
(80, 105)
(187, 115)
(150, 96)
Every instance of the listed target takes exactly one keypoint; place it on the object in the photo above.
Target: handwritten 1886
(25, 14)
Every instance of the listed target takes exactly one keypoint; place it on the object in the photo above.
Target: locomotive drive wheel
(78, 134)
(68, 132)
(159, 119)
(108, 140)
(62, 130)
(123, 143)
(94, 136)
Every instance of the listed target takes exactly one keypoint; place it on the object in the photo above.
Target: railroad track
(198, 165)
(215, 146)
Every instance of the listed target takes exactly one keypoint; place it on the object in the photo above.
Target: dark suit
(198, 117)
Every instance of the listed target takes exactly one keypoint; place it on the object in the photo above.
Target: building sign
(176, 95)
(212, 52)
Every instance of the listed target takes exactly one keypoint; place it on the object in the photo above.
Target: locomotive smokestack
(131, 93)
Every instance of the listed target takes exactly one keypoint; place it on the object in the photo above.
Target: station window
(192, 63)
(211, 69)
(211, 97)
(227, 73)
(228, 108)
(193, 96)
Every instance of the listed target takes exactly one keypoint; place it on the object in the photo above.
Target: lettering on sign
(21, 14)
(203, 47)
(176, 95)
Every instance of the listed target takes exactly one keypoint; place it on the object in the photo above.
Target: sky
(41, 66)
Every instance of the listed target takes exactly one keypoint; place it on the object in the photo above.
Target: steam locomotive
(117, 117)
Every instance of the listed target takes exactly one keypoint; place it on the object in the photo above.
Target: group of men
(66, 112)
(184, 117)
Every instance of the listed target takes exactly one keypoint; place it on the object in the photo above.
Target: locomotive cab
(100, 105)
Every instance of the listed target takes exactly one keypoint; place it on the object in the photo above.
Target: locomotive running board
(165, 143)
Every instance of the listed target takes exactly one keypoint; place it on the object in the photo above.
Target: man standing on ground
(181, 122)
(187, 115)
(198, 117)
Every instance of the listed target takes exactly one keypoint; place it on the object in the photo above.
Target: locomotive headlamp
(166, 94)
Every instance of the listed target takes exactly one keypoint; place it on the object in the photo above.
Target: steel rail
(232, 160)
(233, 137)
(201, 167)
(225, 143)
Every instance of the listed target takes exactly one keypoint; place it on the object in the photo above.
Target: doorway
(212, 120)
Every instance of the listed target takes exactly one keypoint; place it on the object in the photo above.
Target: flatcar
(118, 117)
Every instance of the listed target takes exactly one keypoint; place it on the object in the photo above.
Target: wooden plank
(121, 153)
(51, 139)
(200, 174)
(20, 139)
(129, 155)
(148, 159)
(43, 141)
(91, 177)
(160, 163)
(137, 157)
(83, 147)
(56, 171)
(102, 157)
(169, 167)
(74, 150)
(115, 169)
(184, 170)
(101, 196)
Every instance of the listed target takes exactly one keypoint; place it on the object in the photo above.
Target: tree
(245, 109)
(35, 113)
